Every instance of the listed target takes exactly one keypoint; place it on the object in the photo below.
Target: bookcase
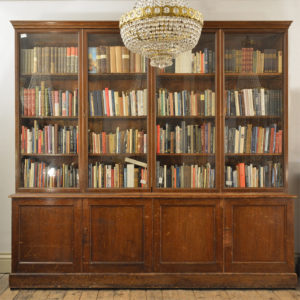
(130, 176)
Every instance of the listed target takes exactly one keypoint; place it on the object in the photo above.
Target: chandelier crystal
(161, 29)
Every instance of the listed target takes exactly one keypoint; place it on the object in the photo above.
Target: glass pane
(49, 110)
(253, 103)
(118, 105)
(185, 119)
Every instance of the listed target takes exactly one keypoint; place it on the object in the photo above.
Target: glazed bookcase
(130, 176)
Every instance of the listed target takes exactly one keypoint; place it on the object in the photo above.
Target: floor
(7, 294)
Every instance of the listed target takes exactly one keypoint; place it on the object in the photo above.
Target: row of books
(249, 139)
(117, 176)
(202, 61)
(113, 103)
(253, 61)
(120, 141)
(115, 59)
(41, 101)
(51, 139)
(49, 60)
(186, 103)
(42, 175)
(185, 176)
(253, 102)
(186, 138)
(243, 175)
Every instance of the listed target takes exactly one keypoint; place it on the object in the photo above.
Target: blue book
(113, 102)
(92, 53)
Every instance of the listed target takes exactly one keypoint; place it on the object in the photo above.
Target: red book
(70, 104)
(280, 142)
(40, 142)
(64, 105)
(194, 177)
(158, 139)
(103, 142)
(107, 102)
(26, 102)
(242, 174)
(32, 102)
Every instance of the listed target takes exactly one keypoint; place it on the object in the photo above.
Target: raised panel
(187, 235)
(118, 235)
(260, 236)
(46, 235)
(259, 233)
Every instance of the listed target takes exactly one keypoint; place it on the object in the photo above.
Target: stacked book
(186, 103)
(113, 103)
(115, 59)
(253, 102)
(42, 175)
(253, 139)
(50, 139)
(185, 176)
(42, 101)
(120, 141)
(255, 176)
(249, 60)
(49, 60)
(185, 138)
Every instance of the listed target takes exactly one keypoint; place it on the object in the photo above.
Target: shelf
(117, 75)
(188, 76)
(253, 117)
(185, 117)
(50, 118)
(116, 154)
(58, 76)
(113, 118)
(184, 154)
(49, 155)
(267, 75)
(253, 154)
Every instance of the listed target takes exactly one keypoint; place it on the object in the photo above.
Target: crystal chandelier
(161, 29)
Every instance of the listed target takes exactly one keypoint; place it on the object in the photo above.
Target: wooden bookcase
(206, 203)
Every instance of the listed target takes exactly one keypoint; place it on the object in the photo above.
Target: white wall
(112, 10)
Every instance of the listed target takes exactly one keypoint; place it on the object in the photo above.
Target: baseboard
(5, 262)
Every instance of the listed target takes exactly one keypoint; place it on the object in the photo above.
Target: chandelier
(161, 29)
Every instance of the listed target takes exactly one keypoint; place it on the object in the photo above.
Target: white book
(236, 141)
(135, 162)
(242, 139)
(165, 176)
(108, 176)
(130, 175)
(110, 103)
(262, 102)
(145, 106)
(237, 104)
(250, 95)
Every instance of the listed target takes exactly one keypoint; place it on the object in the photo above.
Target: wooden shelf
(253, 117)
(185, 117)
(253, 154)
(117, 154)
(114, 118)
(267, 75)
(60, 76)
(49, 155)
(50, 118)
(117, 75)
(184, 154)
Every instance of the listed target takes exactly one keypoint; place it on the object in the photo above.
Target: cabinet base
(154, 280)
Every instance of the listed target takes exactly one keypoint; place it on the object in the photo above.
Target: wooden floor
(7, 294)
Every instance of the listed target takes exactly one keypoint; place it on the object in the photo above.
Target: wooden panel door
(46, 235)
(117, 235)
(259, 235)
(187, 236)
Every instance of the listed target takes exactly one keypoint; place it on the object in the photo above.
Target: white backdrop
(112, 10)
